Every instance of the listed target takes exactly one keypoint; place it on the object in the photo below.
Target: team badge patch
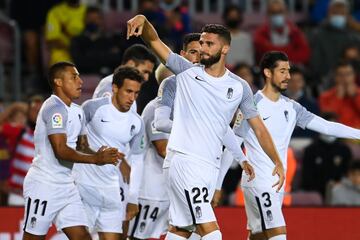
(198, 212)
(269, 215)
(33, 222)
(57, 120)
(230, 93)
(286, 113)
(142, 226)
(132, 129)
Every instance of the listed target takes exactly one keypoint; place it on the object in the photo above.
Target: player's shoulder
(288, 100)
(54, 102)
(258, 96)
(238, 80)
(98, 102)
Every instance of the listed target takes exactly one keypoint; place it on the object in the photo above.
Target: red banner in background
(302, 223)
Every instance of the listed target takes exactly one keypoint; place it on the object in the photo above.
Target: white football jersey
(280, 118)
(104, 89)
(107, 126)
(55, 117)
(204, 106)
(153, 182)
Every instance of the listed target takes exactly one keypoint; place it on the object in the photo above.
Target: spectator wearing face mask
(94, 51)
(330, 39)
(325, 159)
(279, 33)
(347, 192)
(242, 49)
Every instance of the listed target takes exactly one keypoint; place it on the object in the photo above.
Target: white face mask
(327, 138)
(277, 20)
(338, 21)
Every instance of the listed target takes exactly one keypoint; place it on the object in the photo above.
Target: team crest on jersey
(198, 212)
(57, 120)
(142, 143)
(269, 215)
(286, 114)
(33, 222)
(230, 93)
(142, 226)
(132, 129)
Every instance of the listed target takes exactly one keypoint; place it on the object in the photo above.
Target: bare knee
(205, 228)
(29, 236)
(180, 231)
(275, 232)
(77, 233)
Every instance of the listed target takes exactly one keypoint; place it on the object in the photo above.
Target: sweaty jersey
(55, 117)
(280, 118)
(107, 126)
(203, 108)
(104, 89)
(153, 181)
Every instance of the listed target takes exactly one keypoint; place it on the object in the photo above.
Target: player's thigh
(192, 185)
(263, 209)
(43, 203)
(77, 233)
(152, 220)
(109, 236)
(29, 236)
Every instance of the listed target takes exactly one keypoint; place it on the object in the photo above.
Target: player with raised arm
(49, 189)
(207, 97)
(280, 115)
(109, 122)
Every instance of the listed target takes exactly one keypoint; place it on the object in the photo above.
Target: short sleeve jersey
(203, 108)
(55, 117)
(107, 126)
(280, 118)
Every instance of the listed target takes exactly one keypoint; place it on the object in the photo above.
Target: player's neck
(116, 105)
(63, 97)
(271, 93)
(216, 70)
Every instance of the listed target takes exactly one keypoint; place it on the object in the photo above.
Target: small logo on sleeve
(286, 113)
(132, 129)
(57, 120)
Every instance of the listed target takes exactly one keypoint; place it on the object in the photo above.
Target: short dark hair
(270, 60)
(218, 29)
(138, 53)
(123, 72)
(229, 8)
(241, 65)
(55, 71)
(343, 63)
(190, 37)
(354, 166)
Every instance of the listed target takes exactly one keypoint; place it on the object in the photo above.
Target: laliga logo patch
(57, 120)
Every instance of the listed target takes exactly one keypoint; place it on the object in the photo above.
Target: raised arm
(140, 26)
(335, 129)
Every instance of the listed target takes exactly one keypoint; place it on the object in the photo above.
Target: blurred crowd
(324, 49)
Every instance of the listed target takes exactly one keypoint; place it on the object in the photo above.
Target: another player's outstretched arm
(339, 130)
(267, 144)
(140, 26)
(63, 152)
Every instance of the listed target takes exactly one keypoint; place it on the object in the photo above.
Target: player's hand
(248, 169)
(125, 170)
(131, 211)
(135, 26)
(216, 198)
(107, 155)
(279, 170)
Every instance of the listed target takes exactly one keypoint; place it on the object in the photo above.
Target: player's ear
(225, 49)
(267, 73)
(58, 82)
(115, 88)
(182, 53)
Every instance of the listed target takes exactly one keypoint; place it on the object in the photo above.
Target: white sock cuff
(172, 236)
(215, 235)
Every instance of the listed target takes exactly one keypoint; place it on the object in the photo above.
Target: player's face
(71, 83)
(280, 76)
(126, 94)
(211, 48)
(192, 52)
(145, 68)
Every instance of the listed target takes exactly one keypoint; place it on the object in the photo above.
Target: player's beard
(211, 60)
(278, 86)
